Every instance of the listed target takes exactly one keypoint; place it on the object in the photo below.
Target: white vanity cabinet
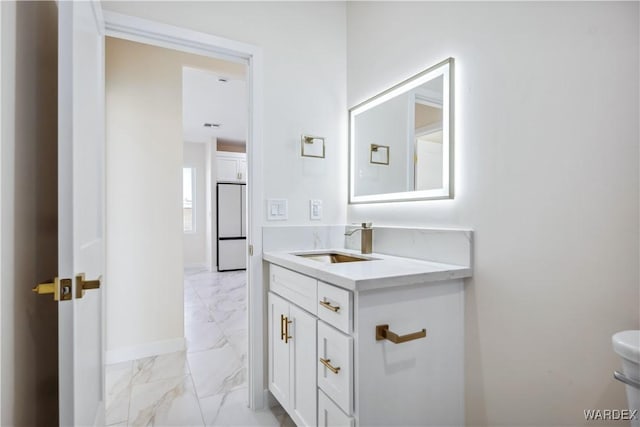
(380, 355)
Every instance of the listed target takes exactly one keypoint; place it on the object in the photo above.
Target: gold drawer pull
(327, 304)
(327, 364)
(383, 333)
(284, 329)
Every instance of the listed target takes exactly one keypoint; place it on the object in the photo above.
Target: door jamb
(186, 40)
(2, 206)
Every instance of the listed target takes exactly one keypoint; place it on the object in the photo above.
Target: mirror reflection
(401, 140)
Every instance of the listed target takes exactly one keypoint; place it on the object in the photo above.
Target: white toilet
(627, 345)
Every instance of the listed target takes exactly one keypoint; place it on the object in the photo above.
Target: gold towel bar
(383, 333)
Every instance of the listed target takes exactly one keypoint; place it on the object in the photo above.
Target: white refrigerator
(232, 228)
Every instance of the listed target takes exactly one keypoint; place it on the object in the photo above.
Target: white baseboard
(144, 350)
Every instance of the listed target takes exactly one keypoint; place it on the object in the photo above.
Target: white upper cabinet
(231, 167)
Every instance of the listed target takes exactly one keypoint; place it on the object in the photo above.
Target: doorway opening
(214, 108)
(153, 138)
(188, 41)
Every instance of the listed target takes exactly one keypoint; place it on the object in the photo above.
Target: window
(188, 200)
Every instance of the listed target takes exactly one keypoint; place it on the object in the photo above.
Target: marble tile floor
(205, 385)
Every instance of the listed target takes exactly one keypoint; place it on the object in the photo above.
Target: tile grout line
(195, 390)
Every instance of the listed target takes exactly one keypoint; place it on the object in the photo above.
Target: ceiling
(207, 99)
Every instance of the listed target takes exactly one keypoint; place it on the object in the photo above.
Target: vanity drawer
(335, 365)
(334, 306)
(296, 287)
(330, 415)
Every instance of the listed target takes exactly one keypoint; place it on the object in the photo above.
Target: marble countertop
(380, 271)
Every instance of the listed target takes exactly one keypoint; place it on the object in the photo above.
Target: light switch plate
(315, 209)
(277, 209)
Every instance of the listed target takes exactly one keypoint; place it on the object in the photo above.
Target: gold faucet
(366, 238)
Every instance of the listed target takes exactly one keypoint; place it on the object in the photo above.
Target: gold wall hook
(383, 333)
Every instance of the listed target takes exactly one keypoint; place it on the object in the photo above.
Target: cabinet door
(227, 169)
(303, 387)
(278, 350)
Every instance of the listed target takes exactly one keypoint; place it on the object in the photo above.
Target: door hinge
(250, 250)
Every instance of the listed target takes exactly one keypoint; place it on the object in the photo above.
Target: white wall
(144, 152)
(28, 195)
(304, 88)
(547, 176)
(195, 243)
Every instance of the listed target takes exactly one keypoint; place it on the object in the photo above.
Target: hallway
(207, 384)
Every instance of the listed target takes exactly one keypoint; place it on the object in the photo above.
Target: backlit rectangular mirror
(414, 121)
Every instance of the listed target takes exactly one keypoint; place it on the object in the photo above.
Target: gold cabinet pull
(327, 304)
(282, 323)
(383, 333)
(287, 337)
(327, 364)
(284, 328)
